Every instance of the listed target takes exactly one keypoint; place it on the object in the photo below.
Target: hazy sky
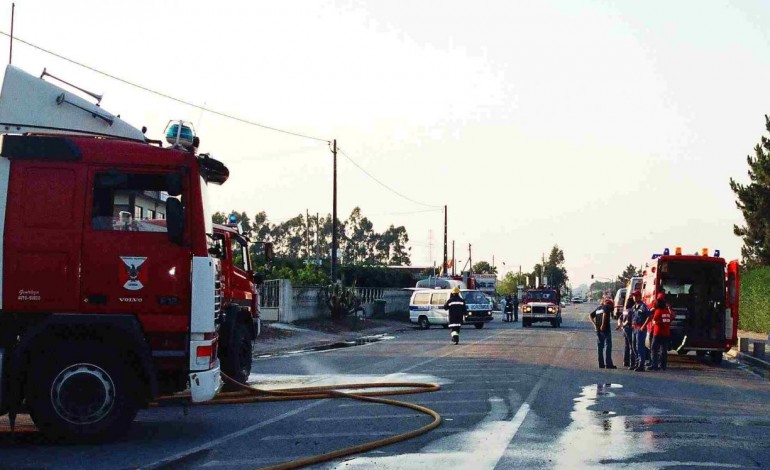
(610, 128)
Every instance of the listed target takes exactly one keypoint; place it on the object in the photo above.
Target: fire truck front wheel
(238, 356)
(82, 393)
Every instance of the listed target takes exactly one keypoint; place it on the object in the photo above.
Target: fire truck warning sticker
(132, 276)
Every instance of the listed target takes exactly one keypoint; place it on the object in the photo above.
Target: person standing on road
(601, 319)
(515, 308)
(624, 324)
(457, 309)
(508, 308)
(661, 331)
(639, 319)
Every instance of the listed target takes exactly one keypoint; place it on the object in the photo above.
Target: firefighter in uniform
(515, 308)
(624, 324)
(661, 330)
(457, 309)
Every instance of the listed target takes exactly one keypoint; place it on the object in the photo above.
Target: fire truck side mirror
(269, 252)
(175, 221)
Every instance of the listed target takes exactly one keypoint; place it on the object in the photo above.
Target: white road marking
(237, 434)
(479, 448)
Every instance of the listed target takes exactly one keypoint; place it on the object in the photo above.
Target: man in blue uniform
(640, 316)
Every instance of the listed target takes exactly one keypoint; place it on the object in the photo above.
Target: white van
(426, 308)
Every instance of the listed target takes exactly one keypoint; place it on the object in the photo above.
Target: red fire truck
(108, 289)
(703, 292)
(239, 324)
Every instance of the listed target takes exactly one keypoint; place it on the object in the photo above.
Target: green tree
(628, 273)
(754, 203)
(555, 272)
(483, 267)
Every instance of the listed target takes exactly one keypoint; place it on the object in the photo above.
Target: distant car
(577, 300)
(620, 299)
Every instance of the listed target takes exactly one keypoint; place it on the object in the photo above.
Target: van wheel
(716, 357)
(82, 393)
(423, 322)
(479, 325)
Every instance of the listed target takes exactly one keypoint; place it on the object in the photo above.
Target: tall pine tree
(754, 202)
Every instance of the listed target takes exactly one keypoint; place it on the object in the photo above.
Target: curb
(750, 360)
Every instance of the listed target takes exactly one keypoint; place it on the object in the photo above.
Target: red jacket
(661, 322)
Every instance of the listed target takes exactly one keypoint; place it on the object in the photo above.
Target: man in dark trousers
(515, 307)
(640, 316)
(508, 308)
(601, 321)
(457, 309)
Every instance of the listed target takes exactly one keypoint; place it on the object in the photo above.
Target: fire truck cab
(239, 324)
(107, 289)
(703, 292)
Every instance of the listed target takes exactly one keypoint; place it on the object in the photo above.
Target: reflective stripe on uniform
(452, 325)
(456, 303)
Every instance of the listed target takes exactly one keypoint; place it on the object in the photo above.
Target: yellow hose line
(249, 394)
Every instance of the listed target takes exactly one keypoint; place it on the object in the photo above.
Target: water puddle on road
(597, 433)
(364, 340)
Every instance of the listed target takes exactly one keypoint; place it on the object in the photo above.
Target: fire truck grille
(538, 309)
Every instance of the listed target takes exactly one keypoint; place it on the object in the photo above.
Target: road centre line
(254, 427)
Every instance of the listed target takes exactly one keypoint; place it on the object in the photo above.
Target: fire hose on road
(248, 394)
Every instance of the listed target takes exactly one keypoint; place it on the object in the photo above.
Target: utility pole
(542, 272)
(317, 239)
(307, 234)
(334, 217)
(470, 259)
(444, 266)
(454, 260)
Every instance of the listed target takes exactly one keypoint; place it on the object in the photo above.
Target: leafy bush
(755, 300)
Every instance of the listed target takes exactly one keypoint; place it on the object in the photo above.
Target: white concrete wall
(304, 303)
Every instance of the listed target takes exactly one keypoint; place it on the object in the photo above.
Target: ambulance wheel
(479, 326)
(423, 322)
(238, 357)
(716, 357)
(82, 393)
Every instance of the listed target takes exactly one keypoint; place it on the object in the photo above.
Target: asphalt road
(510, 398)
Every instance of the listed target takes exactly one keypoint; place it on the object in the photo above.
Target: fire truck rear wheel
(237, 361)
(82, 393)
(479, 326)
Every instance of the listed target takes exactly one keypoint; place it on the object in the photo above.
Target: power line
(164, 95)
(385, 185)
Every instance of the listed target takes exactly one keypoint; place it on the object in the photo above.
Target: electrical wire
(385, 185)
(215, 112)
(164, 95)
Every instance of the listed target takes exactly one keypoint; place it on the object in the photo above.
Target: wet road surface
(510, 398)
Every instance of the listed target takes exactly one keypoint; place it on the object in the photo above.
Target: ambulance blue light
(716, 253)
(233, 218)
(666, 252)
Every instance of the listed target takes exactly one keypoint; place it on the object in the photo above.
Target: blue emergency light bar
(656, 255)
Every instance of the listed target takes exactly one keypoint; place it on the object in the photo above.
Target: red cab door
(129, 264)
